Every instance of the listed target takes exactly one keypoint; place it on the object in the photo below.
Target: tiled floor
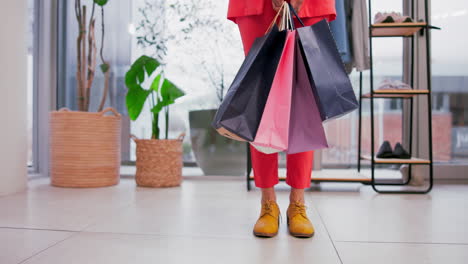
(210, 220)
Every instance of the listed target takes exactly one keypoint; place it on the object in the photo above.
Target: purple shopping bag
(305, 125)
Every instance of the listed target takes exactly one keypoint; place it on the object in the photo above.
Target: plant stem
(107, 73)
(91, 66)
(79, 82)
(92, 13)
(102, 35)
(166, 110)
(83, 59)
(155, 121)
(155, 133)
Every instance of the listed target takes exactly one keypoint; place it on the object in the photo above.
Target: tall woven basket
(85, 148)
(159, 162)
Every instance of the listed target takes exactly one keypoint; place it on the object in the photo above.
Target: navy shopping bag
(331, 85)
(240, 112)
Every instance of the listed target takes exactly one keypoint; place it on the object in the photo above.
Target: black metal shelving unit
(402, 30)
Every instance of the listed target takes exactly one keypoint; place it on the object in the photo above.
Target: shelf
(397, 161)
(395, 93)
(396, 29)
(419, 29)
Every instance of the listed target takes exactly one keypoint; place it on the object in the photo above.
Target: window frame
(34, 167)
(442, 170)
(44, 81)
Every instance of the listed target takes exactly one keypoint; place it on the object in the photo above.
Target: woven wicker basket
(84, 148)
(159, 162)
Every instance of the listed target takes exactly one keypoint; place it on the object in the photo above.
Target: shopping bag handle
(275, 18)
(291, 13)
(287, 22)
(295, 14)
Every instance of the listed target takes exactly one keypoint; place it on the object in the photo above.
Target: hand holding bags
(289, 83)
(291, 121)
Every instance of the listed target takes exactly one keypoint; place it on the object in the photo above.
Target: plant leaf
(135, 100)
(101, 2)
(151, 65)
(104, 67)
(141, 77)
(155, 84)
(136, 73)
(170, 92)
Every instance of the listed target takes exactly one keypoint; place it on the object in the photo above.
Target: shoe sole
(258, 234)
(386, 156)
(301, 235)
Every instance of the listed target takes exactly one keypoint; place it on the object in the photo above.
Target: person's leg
(265, 166)
(299, 170)
(296, 195)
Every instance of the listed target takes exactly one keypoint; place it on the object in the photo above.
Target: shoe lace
(267, 209)
(299, 208)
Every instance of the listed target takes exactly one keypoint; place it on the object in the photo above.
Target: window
(200, 62)
(342, 134)
(191, 58)
(117, 46)
(450, 81)
(31, 82)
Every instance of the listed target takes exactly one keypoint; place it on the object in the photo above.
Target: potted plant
(159, 161)
(85, 146)
(189, 19)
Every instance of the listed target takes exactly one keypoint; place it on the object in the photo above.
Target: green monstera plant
(160, 94)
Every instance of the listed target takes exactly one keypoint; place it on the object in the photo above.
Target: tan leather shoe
(299, 224)
(267, 224)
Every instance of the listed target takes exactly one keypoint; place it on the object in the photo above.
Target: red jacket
(310, 8)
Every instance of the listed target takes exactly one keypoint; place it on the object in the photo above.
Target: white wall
(13, 104)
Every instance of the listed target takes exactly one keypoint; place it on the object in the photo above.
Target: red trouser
(265, 166)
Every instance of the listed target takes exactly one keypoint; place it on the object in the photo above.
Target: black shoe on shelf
(400, 153)
(385, 151)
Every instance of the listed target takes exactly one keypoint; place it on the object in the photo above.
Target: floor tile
(214, 209)
(438, 217)
(210, 219)
(401, 253)
(19, 244)
(46, 207)
(124, 248)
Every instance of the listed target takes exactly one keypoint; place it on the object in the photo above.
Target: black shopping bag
(330, 82)
(240, 112)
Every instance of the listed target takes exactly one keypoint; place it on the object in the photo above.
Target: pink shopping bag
(305, 126)
(273, 131)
